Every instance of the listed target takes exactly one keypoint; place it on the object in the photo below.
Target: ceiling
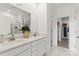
(56, 5)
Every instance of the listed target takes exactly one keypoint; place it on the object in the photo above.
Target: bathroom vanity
(33, 46)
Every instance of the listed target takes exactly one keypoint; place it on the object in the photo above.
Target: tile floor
(64, 43)
(60, 51)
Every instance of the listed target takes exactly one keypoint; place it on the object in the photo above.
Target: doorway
(58, 25)
(63, 29)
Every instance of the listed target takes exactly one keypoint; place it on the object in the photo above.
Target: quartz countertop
(7, 45)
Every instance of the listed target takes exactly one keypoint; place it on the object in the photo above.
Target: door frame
(61, 30)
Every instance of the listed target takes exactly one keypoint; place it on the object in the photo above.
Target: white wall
(77, 28)
(50, 17)
(42, 18)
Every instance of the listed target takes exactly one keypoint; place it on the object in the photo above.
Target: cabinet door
(25, 53)
(35, 53)
(35, 50)
(16, 50)
(42, 46)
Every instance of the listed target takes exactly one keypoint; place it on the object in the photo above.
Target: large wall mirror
(12, 16)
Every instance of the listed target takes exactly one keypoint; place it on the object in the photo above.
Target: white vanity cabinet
(32, 48)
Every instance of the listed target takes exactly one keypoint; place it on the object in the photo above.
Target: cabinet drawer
(41, 41)
(16, 50)
(34, 43)
(35, 48)
(35, 53)
(42, 48)
(25, 53)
